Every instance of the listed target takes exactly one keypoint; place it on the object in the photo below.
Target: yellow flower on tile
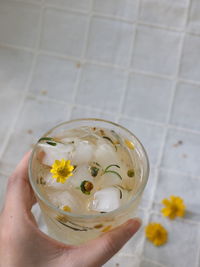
(156, 233)
(173, 207)
(61, 170)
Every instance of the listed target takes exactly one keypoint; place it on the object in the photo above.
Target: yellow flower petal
(173, 207)
(156, 234)
(61, 170)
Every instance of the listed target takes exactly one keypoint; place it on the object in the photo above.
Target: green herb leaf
(96, 163)
(120, 191)
(51, 143)
(114, 173)
(94, 171)
(86, 187)
(109, 139)
(130, 173)
(112, 165)
(45, 139)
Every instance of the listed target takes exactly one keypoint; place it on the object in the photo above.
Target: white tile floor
(132, 62)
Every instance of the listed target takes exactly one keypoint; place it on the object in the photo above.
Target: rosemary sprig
(114, 173)
(110, 140)
(111, 171)
(51, 143)
(112, 165)
(49, 140)
(45, 139)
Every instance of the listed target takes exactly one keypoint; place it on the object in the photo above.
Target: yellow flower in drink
(156, 234)
(173, 207)
(61, 170)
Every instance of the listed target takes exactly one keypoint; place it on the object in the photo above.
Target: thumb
(100, 250)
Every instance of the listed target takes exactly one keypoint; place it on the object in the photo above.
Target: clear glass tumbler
(73, 228)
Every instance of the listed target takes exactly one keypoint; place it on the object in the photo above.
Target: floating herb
(86, 187)
(51, 143)
(111, 171)
(130, 173)
(61, 218)
(71, 227)
(110, 140)
(41, 181)
(75, 166)
(94, 171)
(114, 172)
(98, 226)
(120, 192)
(49, 140)
(117, 137)
(111, 165)
(45, 139)
(102, 132)
(76, 227)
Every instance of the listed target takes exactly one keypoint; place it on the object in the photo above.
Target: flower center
(63, 172)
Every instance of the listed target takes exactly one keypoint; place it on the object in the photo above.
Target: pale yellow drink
(110, 170)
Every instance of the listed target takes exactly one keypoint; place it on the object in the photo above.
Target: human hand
(22, 244)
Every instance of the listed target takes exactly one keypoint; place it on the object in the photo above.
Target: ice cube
(81, 173)
(82, 153)
(52, 183)
(65, 198)
(108, 179)
(106, 200)
(58, 152)
(105, 154)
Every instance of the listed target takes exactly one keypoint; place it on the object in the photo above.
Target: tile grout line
(25, 2)
(82, 60)
(67, 9)
(27, 85)
(161, 151)
(122, 99)
(154, 262)
(103, 64)
(17, 47)
(122, 254)
(140, 252)
(152, 123)
(109, 16)
(179, 172)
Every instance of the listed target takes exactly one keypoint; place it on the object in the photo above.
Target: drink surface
(106, 170)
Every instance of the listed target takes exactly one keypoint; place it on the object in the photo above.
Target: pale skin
(22, 244)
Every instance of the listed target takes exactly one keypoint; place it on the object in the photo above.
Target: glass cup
(75, 229)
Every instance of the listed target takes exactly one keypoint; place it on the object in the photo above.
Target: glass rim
(100, 215)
